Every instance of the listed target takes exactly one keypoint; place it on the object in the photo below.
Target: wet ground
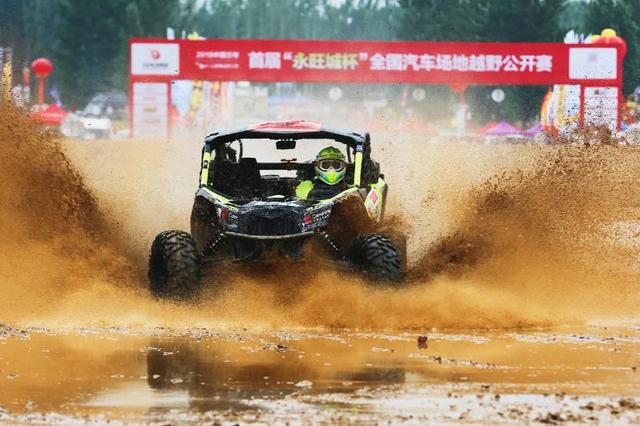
(202, 375)
(508, 245)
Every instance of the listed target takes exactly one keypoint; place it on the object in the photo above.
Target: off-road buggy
(241, 214)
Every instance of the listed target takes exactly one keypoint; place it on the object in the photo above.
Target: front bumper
(269, 237)
(260, 220)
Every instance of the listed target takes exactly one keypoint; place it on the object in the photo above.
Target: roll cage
(363, 171)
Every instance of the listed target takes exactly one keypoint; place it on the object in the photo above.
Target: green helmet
(330, 165)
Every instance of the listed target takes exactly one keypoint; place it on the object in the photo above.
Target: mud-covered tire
(378, 258)
(174, 267)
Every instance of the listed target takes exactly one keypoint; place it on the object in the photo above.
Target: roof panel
(300, 129)
(287, 126)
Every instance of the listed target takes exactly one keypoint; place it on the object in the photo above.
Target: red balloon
(613, 40)
(42, 67)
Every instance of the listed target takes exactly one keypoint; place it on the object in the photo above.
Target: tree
(88, 40)
(91, 41)
(489, 21)
(523, 20)
(26, 26)
(298, 19)
(438, 20)
(573, 15)
(517, 21)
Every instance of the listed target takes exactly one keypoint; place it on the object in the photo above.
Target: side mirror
(286, 144)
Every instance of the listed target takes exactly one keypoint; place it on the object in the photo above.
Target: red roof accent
(288, 126)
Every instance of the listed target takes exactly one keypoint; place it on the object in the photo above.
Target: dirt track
(504, 240)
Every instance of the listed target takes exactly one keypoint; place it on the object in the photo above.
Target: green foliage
(26, 26)
(91, 41)
(84, 57)
(517, 21)
(486, 20)
(573, 15)
(297, 19)
(440, 20)
(87, 40)
(523, 20)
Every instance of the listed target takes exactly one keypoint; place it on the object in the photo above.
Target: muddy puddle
(195, 375)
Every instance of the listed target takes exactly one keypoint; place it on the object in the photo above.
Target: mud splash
(556, 238)
(54, 237)
(501, 237)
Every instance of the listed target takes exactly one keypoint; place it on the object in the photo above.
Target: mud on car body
(241, 214)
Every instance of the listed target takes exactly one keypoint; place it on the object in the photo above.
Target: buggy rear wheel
(378, 258)
(174, 266)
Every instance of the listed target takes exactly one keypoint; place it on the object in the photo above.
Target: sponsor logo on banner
(217, 59)
(150, 113)
(591, 63)
(155, 59)
(601, 106)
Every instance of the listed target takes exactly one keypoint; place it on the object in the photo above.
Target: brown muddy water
(202, 375)
(524, 278)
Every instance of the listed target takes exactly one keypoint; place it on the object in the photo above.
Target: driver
(330, 167)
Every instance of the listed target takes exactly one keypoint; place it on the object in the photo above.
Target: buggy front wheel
(174, 267)
(378, 258)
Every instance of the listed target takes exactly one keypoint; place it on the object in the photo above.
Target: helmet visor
(334, 164)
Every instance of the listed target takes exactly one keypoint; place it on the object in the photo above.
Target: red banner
(375, 62)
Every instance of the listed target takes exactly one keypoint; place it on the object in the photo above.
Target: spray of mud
(499, 237)
(553, 241)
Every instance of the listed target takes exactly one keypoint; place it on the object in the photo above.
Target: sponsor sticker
(155, 59)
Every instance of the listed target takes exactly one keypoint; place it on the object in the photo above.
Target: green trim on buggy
(303, 189)
(357, 173)
(349, 191)
(204, 168)
(218, 197)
